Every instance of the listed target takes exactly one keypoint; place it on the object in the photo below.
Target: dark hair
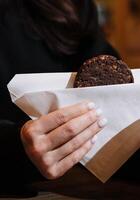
(62, 24)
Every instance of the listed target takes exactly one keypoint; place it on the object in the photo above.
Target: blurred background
(120, 20)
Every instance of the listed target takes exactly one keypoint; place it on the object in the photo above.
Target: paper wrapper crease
(38, 94)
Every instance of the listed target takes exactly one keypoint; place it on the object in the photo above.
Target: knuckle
(75, 159)
(30, 128)
(70, 128)
(91, 116)
(94, 129)
(26, 132)
(51, 173)
(91, 130)
(87, 147)
(81, 108)
(61, 117)
(49, 142)
(36, 125)
(39, 148)
(75, 143)
(48, 160)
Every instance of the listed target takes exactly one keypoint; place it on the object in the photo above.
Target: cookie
(103, 70)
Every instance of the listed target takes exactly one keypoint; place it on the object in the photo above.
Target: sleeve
(16, 169)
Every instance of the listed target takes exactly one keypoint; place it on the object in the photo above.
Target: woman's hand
(57, 141)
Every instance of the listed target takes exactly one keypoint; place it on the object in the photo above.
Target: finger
(59, 117)
(68, 162)
(76, 142)
(68, 131)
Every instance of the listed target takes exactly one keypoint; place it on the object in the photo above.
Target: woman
(45, 36)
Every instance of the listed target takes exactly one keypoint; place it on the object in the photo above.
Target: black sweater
(22, 52)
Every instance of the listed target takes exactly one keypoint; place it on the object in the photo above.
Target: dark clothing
(23, 52)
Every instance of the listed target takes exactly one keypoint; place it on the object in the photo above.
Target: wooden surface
(78, 183)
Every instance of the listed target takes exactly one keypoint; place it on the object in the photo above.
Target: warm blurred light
(120, 20)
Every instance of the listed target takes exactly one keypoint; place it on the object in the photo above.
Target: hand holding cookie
(57, 141)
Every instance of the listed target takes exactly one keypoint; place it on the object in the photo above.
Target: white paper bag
(38, 94)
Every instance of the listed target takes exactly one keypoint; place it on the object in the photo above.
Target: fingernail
(99, 112)
(91, 105)
(102, 122)
(94, 139)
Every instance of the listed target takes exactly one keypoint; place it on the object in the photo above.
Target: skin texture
(57, 141)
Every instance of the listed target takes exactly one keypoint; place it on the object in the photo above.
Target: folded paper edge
(14, 96)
